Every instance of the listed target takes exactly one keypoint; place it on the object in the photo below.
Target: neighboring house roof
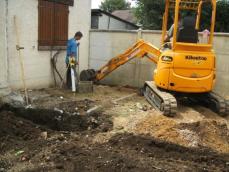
(99, 12)
(127, 15)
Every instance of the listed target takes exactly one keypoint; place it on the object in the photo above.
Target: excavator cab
(188, 33)
(191, 12)
(189, 66)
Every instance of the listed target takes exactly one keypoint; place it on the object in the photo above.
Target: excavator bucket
(88, 75)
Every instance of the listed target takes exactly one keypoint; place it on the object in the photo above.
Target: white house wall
(116, 24)
(38, 71)
(3, 47)
(80, 20)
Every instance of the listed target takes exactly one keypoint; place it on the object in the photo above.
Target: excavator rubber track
(161, 100)
(213, 101)
(217, 103)
(227, 107)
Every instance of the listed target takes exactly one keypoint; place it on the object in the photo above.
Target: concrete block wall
(106, 44)
(38, 71)
(221, 47)
(113, 43)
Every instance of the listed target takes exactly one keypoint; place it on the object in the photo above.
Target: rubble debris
(145, 108)
(205, 133)
(94, 110)
(19, 152)
(44, 135)
(24, 158)
(119, 127)
(58, 110)
(14, 99)
(142, 107)
(29, 106)
(123, 98)
(139, 106)
(191, 137)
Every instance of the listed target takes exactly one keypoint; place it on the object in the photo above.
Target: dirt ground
(59, 132)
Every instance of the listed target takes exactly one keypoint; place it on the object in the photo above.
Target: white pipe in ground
(73, 80)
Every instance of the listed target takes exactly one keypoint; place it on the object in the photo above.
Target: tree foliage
(222, 16)
(150, 15)
(112, 5)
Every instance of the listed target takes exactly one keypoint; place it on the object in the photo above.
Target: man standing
(71, 57)
(169, 34)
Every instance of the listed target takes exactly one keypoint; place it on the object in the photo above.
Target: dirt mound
(76, 151)
(14, 131)
(56, 134)
(206, 133)
(126, 152)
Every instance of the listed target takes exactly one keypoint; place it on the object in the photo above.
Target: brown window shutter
(45, 23)
(60, 24)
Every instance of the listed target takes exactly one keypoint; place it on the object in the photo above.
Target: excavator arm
(139, 50)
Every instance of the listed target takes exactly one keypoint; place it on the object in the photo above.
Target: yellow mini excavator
(186, 69)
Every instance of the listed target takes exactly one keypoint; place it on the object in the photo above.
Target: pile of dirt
(205, 133)
(24, 148)
(211, 133)
(57, 134)
(14, 131)
(126, 152)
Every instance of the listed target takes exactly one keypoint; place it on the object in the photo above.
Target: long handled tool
(78, 60)
(73, 80)
(74, 73)
(20, 59)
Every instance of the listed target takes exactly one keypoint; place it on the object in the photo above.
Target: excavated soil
(75, 151)
(205, 133)
(57, 134)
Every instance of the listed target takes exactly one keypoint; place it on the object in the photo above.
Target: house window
(95, 22)
(52, 24)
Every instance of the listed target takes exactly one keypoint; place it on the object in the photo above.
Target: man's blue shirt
(71, 49)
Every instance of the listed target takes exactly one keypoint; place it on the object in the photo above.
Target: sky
(96, 3)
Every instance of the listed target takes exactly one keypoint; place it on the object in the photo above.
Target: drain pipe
(54, 61)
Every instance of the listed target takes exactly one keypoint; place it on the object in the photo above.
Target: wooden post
(20, 59)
